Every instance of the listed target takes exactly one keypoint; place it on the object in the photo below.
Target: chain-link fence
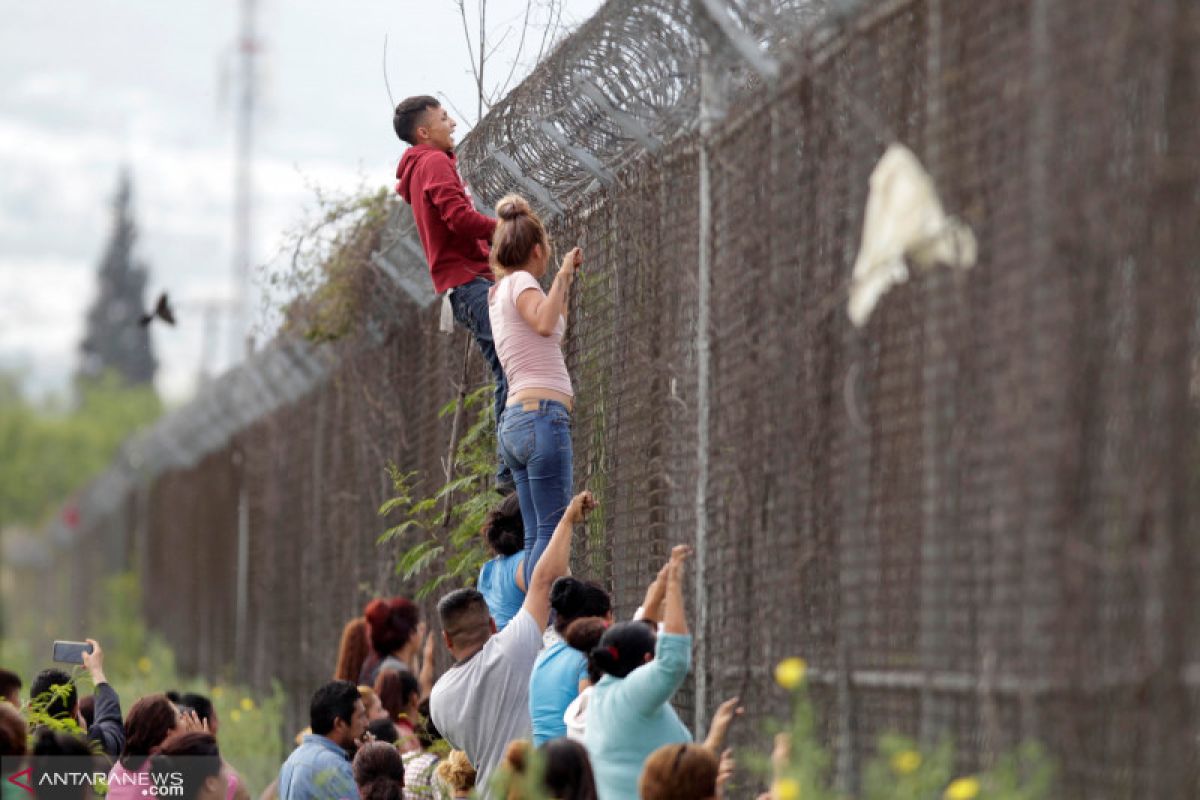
(973, 516)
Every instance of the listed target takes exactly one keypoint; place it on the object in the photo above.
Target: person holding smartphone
(106, 728)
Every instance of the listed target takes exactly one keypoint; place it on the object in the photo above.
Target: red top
(453, 233)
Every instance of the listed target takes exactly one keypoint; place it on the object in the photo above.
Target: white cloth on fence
(904, 220)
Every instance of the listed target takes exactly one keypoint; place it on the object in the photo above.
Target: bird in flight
(162, 309)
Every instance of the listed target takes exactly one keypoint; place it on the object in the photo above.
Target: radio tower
(243, 186)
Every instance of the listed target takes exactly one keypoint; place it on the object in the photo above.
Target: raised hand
(571, 262)
(581, 505)
(93, 662)
(722, 719)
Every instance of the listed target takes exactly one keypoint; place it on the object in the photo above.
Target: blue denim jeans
(536, 444)
(470, 305)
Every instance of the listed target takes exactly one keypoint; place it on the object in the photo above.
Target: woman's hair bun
(512, 206)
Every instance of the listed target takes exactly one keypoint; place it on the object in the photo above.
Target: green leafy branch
(438, 533)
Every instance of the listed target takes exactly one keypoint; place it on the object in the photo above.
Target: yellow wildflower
(906, 762)
(785, 789)
(235, 715)
(790, 672)
(963, 789)
(144, 664)
(218, 691)
(247, 704)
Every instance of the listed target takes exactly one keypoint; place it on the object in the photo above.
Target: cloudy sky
(88, 87)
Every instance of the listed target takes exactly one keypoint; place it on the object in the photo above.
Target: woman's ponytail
(623, 648)
(518, 231)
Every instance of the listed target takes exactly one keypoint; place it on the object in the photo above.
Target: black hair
(56, 751)
(189, 758)
(9, 681)
(200, 704)
(379, 772)
(427, 733)
(55, 707)
(384, 730)
(568, 774)
(333, 701)
(572, 599)
(584, 635)
(623, 648)
(408, 114)
(394, 688)
(464, 615)
(504, 528)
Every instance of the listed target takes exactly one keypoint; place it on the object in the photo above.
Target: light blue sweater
(498, 585)
(629, 718)
(553, 684)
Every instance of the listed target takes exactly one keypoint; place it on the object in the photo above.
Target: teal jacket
(629, 718)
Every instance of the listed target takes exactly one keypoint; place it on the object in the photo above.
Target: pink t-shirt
(530, 361)
(125, 784)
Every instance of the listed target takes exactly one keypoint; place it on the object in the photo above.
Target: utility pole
(243, 187)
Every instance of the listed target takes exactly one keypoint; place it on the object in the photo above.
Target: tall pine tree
(114, 341)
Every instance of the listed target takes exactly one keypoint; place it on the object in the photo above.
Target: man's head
(422, 120)
(337, 713)
(53, 692)
(467, 623)
(10, 687)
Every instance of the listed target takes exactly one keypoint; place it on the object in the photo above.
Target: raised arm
(106, 727)
(651, 610)
(719, 727)
(556, 560)
(425, 679)
(674, 618)
(648, 687)
(542, 311)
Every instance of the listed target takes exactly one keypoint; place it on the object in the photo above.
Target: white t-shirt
(482, 704)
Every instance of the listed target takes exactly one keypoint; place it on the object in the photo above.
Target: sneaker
(504, 481)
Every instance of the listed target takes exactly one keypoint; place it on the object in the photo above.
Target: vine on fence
(439, 533)
(322, 280)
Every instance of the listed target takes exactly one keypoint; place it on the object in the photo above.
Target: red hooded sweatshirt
(453, 233)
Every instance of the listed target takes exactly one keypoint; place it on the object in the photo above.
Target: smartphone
(71, 652)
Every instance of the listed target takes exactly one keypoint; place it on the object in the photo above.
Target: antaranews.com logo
(53, 777)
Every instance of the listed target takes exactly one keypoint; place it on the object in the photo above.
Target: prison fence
(974, 516)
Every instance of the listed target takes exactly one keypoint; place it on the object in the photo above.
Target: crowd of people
(548, 696)
(562, 703)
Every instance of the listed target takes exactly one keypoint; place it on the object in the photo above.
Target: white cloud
(137, 82)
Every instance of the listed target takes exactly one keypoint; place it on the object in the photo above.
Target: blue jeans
(470, 305)
(536, 445)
